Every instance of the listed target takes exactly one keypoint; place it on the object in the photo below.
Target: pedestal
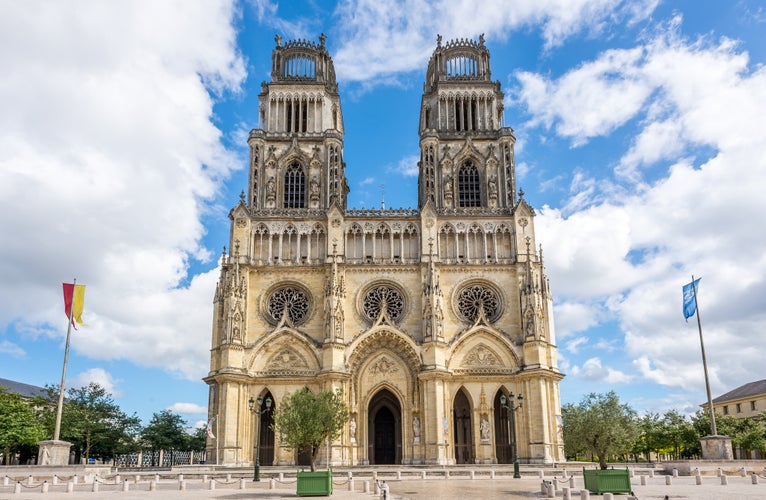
(716, 448)
(53, 453)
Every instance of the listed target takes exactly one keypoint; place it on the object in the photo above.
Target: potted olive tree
(305, 420)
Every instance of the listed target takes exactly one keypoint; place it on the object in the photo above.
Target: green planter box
(607, 481)
(315, 484)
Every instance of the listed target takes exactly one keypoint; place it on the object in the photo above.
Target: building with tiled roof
(25, 390)
(747, 400)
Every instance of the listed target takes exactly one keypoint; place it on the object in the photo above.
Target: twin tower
(427, 318)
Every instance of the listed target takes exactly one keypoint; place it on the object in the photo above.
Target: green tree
(601, 425)
(19, 424)
(305, 420)
(751, 434)
(197, 439)
(166, 431)
(95, 424)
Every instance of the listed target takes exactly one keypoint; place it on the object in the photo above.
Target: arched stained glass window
(469, 194)
(295, 186)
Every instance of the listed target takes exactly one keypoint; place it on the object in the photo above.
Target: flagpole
(713, 430)
(60, 407)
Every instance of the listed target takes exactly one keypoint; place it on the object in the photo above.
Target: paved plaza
(437, 488)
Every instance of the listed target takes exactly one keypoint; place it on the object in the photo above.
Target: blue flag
(690, 305)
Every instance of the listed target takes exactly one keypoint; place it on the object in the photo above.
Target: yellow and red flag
(74, 300)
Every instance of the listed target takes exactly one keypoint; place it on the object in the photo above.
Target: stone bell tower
(466, 152)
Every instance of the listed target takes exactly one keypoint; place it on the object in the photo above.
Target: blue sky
(640, 144)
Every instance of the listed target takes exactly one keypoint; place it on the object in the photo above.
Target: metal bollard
(211, 484)
(584, 495)
(541, 473)
(631, 472)
(70, 487)
(152, 485)
(180, 477)
(567, 495)
(422, 474)
(754, 478)
(471, 474)
(125, 486)
(743, 472)
(204, 478)
(384, 491)
(366, 486)
(398, 475)
(376, 491)
(281, 476)
(117, 479)
(697, 472)
(492, 473)
(643, 480)
(136, 479)
(720, 472)
(651, 473)
(44, 489)
(350, 475)
(94, 489)
(668, 480)
(272, 484)
(242, 483)
(675, 472)
(446, 473)
(571, 481)
(698, 480)
(724, 480)
(55, 480)
(74, 479)
(351, 484)
(5, 481)
(17, 488)
(29, 480)
(156, 478)
(181, 485)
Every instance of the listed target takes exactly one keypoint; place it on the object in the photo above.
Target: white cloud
(187, 408)
(592, 370)
(631, 250)
(14, 350)
(382, 38)
(407, 166)
(574, 345)
(108, 159)
(97, 376)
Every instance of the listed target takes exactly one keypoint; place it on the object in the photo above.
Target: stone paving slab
(410, 489)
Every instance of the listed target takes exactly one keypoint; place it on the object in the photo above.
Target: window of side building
(726, 410)
(752, 405)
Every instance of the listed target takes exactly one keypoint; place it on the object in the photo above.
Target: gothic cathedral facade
(425, 318)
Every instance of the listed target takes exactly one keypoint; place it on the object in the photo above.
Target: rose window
(289, 300)
(471, 299)
(383, 297)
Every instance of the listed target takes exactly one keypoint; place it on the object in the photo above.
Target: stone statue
(352, 429)
(416, 428)
(271, 188)
(484, 429)
(278, 40)
(493, 187)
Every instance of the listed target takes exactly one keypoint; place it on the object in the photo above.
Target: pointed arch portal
(384, 424)
(266, 434)
(463, 425)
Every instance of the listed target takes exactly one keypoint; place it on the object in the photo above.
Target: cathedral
(435, 322)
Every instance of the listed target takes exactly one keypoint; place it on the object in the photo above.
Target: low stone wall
(711, 467)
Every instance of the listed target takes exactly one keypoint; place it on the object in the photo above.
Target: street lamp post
(511, 407)
(255, 407)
